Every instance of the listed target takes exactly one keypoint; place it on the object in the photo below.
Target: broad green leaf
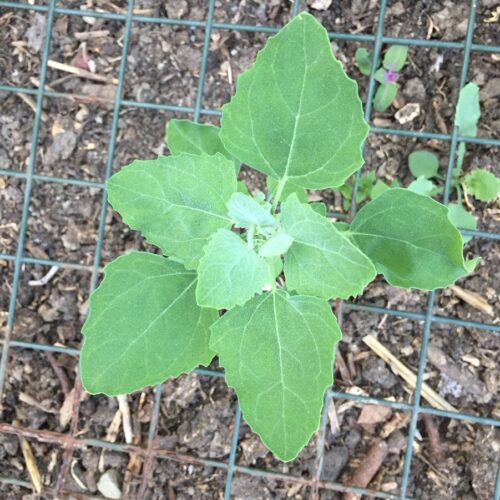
(395, 57)
(144, 326)
(277, 352)
(245, 211)
(277, 245)
(295, 114)
(185, 136)
(272, 186)
(176, 202)
(422, 186)
(384, 96)
(461, 219)
(341, 226)
(468, 112)
(483, 185)
(229, 273)
(319, 207)
(364, 59)
(322, 261)
(423, 163)
(411, 240)
(379, 188)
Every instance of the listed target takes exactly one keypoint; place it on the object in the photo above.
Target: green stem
(250, 235)
(279, 192)
(270, 264)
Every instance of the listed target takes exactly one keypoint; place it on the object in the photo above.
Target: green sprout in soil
(386, 75)
(249, 278)
(480, 183)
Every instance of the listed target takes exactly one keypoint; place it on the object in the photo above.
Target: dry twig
(31, 465)
(126, 421)
(81, 73)
(32, 104)
(434, 440)
(431, 396)
(367, 468)
(473, 299)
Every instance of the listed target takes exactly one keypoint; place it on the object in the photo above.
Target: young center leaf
(144, 326)
(322, 261)
(277, 351)
(176, 202)
(296, 115)
(185, 136)
(229, 273)
(276, 245)
(411, 240)
(245, 211)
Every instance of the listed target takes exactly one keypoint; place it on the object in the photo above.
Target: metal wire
(150, 453)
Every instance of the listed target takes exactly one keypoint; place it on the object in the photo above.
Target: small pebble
(109, 484)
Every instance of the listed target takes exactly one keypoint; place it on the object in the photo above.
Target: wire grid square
(69, 441)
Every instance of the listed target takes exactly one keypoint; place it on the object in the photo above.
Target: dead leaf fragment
(320, 4)
(408, 113)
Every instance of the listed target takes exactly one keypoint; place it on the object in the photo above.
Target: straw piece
(431, 396)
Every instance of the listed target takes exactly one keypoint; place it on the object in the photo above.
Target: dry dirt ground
(197, 412)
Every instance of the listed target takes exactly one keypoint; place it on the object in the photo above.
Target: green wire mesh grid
(149, 454)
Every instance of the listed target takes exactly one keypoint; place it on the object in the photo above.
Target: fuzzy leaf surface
(296, 114)
(144, 326)
(322, 261)
(176, 202)
(276, 245)
(277, 352)
(245, 211)
(229, 273)
(185, 136)
(411, 240)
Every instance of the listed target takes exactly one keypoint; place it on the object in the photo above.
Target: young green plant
(479, 183)
(386, 75)
(214, 290)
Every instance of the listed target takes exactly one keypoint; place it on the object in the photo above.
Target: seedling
(479, 183)
(387, 74)
(297, 118)
(369, 188)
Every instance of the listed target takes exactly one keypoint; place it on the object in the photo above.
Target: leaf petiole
(250, 235)
(279, 192)
(270, 263)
